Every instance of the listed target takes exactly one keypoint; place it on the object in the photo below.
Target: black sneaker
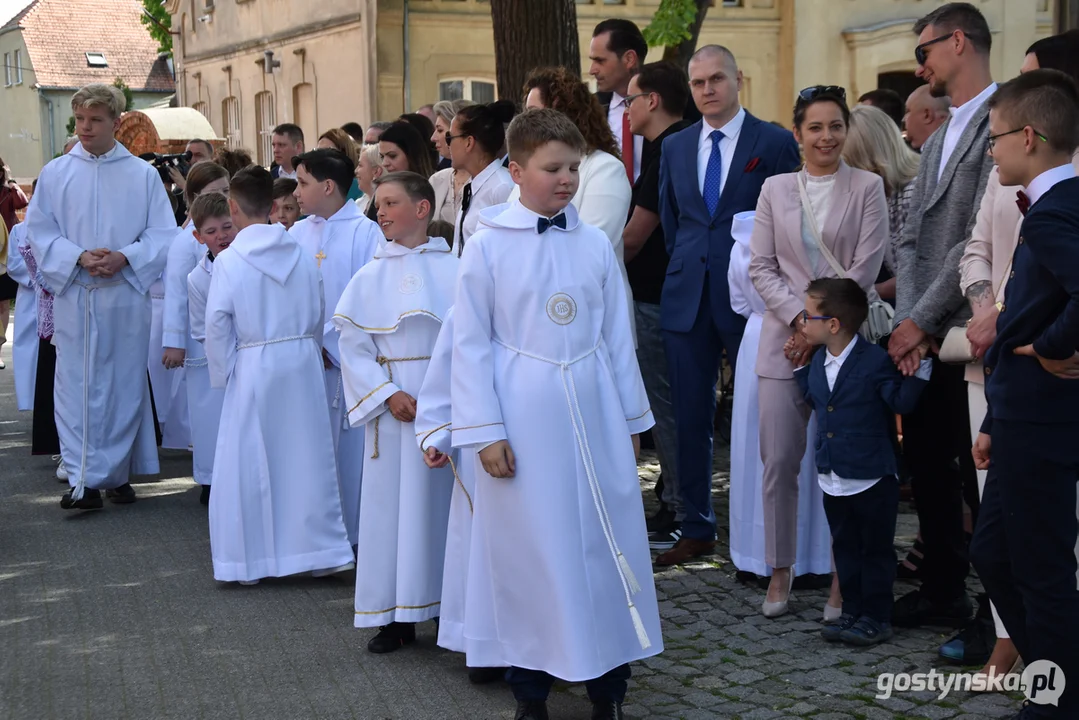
(608, 710)
(972, 645)
(204, 497)
(832, 631)
(90, 500)
(123, 495)
(665, 539)
(866, 632)
(531, 710)
(392, 637)
(915, 610)
(662, 520)
(486, 675)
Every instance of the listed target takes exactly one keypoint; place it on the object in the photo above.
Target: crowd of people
(454, 328)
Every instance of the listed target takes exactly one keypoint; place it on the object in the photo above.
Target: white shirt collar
(1042, 184)
(838, 360)
(963, 112)
(617, 100)
(287, 175)
(730, 130)
(485, 174)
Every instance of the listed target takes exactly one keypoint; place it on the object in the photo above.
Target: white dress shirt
(491, 187)
(960, 119)
(1042, 184)
(727, 146)
(286, 175)
(831, 483)
(615, 111)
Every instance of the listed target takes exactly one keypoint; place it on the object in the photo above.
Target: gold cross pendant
(320, 257)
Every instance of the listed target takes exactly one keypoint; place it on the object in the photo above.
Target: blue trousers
(693, 361)
(536, 684)
(1024, 547)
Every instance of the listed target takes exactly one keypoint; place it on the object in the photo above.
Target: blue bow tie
(558, 221)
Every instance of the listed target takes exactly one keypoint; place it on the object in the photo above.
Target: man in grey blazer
(953, 57)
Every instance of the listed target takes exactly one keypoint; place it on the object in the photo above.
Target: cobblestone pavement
(115, 614)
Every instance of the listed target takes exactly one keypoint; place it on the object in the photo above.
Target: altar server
(25, 346)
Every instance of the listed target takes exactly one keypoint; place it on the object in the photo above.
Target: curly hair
(564, 91)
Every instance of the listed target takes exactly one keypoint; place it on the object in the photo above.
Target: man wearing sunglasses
(953, 58)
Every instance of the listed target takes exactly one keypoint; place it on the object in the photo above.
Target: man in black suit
(1024, 546)
(617, 53)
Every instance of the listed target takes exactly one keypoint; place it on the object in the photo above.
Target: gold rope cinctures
(385, 362)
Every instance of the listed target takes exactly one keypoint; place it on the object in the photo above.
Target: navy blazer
(1041, 307)
(856, 419)
(696, 240)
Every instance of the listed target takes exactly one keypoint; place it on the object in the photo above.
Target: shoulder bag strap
(807, 207)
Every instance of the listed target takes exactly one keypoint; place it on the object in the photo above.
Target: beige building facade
(335, 61)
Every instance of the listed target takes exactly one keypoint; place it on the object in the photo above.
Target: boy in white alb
(546, 387)
(214, 231)
(341, 240)
(275, 508)
(389, 317)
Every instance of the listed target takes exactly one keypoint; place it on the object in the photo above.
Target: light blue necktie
(713, 175)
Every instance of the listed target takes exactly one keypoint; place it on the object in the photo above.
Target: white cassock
(275, 509)
(560, 576)
(171, 327)
(342, 245)
(747, 468)
(388, 318)
(433, 418)
(203, 401)
(102, 325)
(25, 343)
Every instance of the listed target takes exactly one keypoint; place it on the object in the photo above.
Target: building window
(18, 67)
(96, 60)
(7, 69)
(230, 122)
(265, 122)
(202, 108)
(475, 89)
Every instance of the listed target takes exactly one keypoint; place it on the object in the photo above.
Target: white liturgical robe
(560, 575)
(275, 509)
(102, 325)
(389, 317)
(169, 330)
(341, 245)
(25, 346)
(203, 402)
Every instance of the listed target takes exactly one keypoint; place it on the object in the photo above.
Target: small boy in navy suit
(856, 392)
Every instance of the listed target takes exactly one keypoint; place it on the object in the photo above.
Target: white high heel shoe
(775, 609)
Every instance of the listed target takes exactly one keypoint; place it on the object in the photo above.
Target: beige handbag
(878, 323)
(956, 350)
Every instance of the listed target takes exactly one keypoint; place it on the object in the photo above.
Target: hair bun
(502, 110)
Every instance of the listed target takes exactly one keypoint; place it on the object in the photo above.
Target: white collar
(348, 211)
(730, 130)
(515, 216)
(392, 249)
(1044, 182)
(838, 360)
(617, 99)
(485, 174)
(973, 104)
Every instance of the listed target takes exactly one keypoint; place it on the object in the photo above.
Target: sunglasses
(810, 94)
(451, 138)
(920, 54)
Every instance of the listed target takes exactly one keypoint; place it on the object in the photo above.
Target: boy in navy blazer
(1024, 546)
(856, 391)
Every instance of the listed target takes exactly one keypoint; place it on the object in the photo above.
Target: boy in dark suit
(856, 391)
(1024, 546)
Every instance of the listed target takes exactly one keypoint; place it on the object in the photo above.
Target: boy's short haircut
(252, 189)
(292, 132)
(442, 229)
(355, 130)
(533, 129)
(416, 186)
(201, 175)
(841, 298)
(669, 82)
(1045, 100)
(99, 95)
(328, 164)
(207, 207)
(283, 187)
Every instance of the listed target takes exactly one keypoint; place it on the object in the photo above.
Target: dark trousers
(44, 439)
(863, 532)
(536, 684)
(693, 361)
(1024, 546)
(936, 445)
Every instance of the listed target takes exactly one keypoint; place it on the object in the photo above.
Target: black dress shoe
(392, 637)
(486, 675)
(609, 710)
(662, 520)
(915, 610)
(531, 710)
(123, 495)
(204, 497)
(90, 500)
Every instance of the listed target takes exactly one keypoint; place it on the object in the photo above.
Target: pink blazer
(856, 232)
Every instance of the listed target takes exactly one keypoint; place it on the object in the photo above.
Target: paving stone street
(115, 614)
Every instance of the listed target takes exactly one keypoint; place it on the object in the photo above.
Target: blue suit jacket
(698, 241)
(1041, 307)
(855, 419)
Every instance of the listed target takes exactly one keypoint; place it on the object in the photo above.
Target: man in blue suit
(708, 172)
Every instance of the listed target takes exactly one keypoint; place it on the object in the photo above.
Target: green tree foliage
(676, 27)
(128, 96)
(159, 23)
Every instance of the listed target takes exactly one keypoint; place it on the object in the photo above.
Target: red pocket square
(752, 165)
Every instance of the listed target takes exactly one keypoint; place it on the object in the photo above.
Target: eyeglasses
(806, 317)
(920, 54)
(630, 98)
(993, 138)
(810, 94)
(451, 138)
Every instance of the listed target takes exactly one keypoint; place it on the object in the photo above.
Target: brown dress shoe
(686, 550)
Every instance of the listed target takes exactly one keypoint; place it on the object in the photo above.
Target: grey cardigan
(940, 222)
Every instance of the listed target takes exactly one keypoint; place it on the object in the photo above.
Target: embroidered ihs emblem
(410, 284)
(561, 308)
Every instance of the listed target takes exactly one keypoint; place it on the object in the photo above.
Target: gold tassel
(638, 625)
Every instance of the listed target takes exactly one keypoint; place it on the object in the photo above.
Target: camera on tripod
(163, 162)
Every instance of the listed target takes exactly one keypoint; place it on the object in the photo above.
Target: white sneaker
(249, 582)
(333, 571)
(61, 469)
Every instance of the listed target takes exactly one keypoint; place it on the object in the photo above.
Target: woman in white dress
(449, 183)
(747, 469)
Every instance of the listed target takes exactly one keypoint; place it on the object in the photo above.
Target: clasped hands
(102, 262)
